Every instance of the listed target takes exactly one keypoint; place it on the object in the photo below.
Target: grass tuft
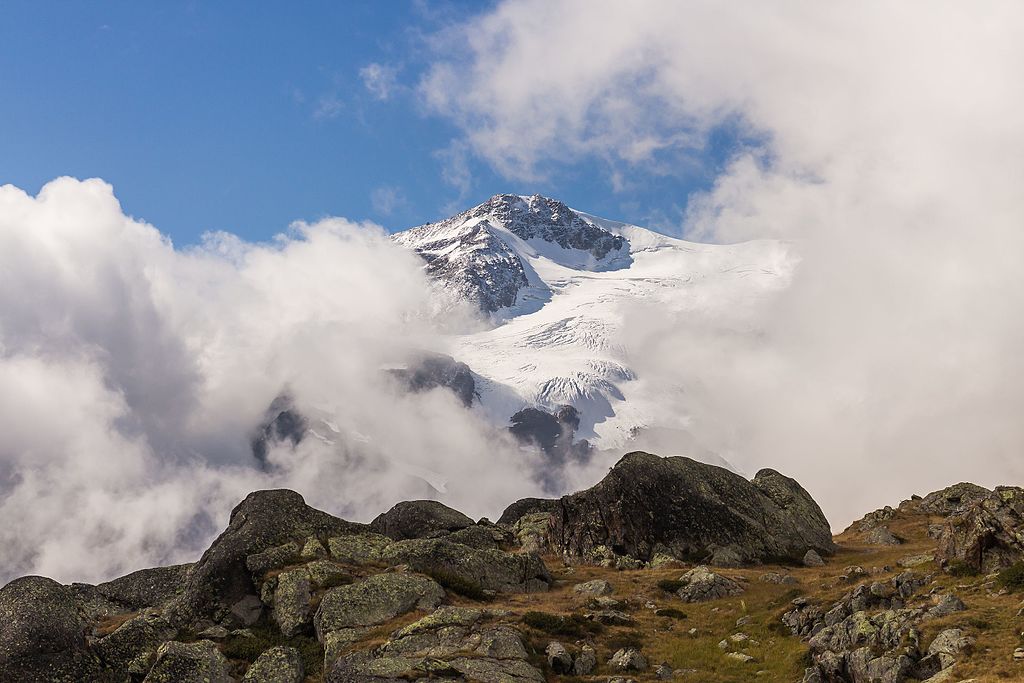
(572, 625)
(1012, 578)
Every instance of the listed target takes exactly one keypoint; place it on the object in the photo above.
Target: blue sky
(246, 116)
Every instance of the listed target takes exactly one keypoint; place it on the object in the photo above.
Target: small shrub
(1012, 578)
(670, 612)
(574, 625)
(670, 585)
(960, 569)
(460, 585)
(264, 637)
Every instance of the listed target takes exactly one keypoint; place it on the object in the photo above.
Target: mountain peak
(483, 252)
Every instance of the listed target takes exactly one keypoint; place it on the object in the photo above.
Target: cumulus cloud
(134, 374)
(891, 156)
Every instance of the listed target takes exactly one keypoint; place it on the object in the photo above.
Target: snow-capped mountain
(559, 285)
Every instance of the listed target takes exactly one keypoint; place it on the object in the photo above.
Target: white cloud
(133, 375)
(380, 79)
(892, 156)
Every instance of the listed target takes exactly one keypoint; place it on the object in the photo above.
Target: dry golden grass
(109, 624)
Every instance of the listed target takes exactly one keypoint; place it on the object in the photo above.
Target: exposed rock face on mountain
(648, 505)
(471, 260)
(438, 370)
(553, 433)
(470, 252)
(282, 423)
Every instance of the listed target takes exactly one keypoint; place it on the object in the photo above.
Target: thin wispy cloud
(380, 80)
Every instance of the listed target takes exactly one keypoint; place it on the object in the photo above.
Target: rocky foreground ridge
(666, 569)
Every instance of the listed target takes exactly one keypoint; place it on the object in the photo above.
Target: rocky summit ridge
(666, 569)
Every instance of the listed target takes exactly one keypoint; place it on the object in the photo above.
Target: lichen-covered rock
(198, 662)
(313, 549)
(627, 659)
(543, 507)
(488, 569)
(585, 661)
(419, 519)
(947, 604)
(375, 600)
(702, 584)
(882, 536)
(678, 506)
(482, 536)
(42, 637)
(137, 636)
(358, 548)
(593, 588)
(986, 534)
(813, 559)
(327, 574)
(451, 643)
(776, 577)
(146, 587)
(272, 558)
(263, 520)
(952, 499)
(532, 532)
(291, 602)
(559, 659)
(874, 519)
(279, 664)
(943, 651)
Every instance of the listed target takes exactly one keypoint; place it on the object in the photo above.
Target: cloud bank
(133, 376)
(891, 155)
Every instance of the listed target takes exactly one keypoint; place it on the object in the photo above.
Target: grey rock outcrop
(526, 506)
(419, 519)
(487, 569)
(220, 580)
(456, 643)
(198, 662)
(279, 664)
(593, 588)
(986, 534)
(145, 587)
(680, 507)
(375, 600)
(42, 636)
(882, 536)
(702, 584)
(139, 635)
(291, 602)
(558, 658)
(952, 499)
(628, 659)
